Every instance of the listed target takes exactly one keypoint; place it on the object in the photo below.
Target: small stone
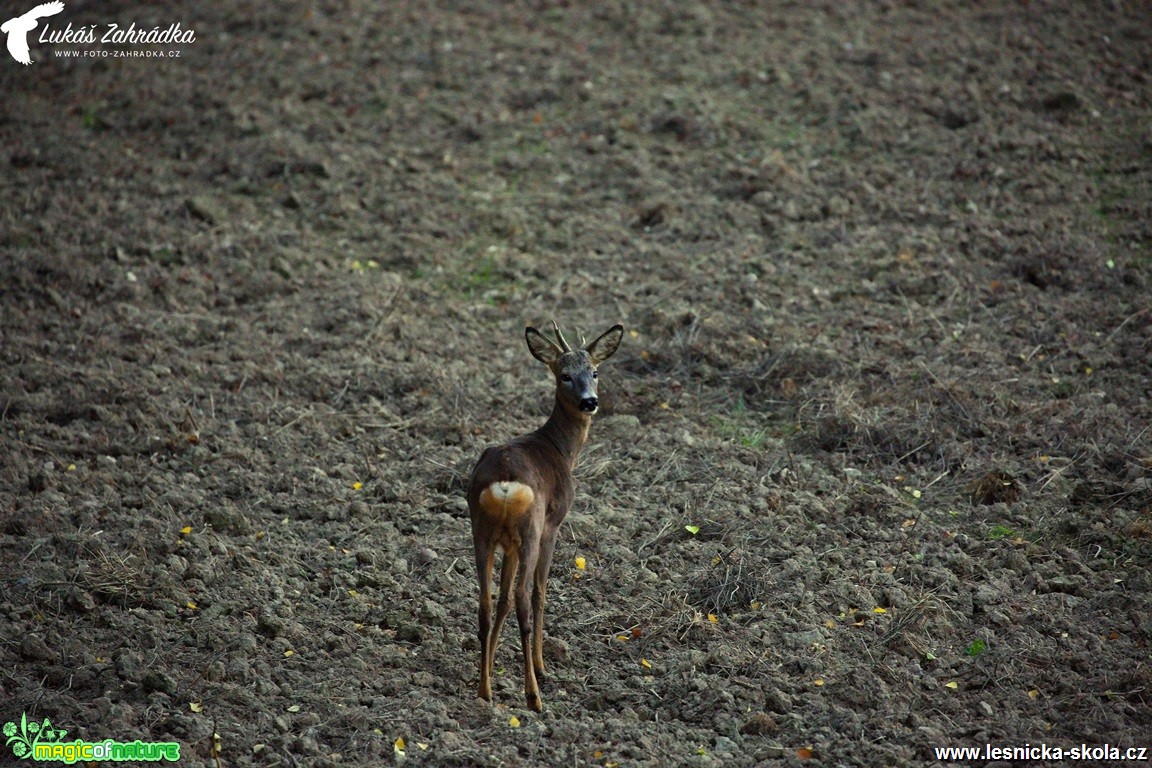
(555, 649)
(777, 701)
(620, 425)
(33, 647)
(725, 747)
(206, 209)
(837, 206)
(158, 681)
(83, 600)
(410, 633)
(772, 751)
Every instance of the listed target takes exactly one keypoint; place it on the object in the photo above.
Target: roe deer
(520, 492)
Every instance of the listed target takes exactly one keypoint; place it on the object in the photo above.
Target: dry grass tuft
(995, 487)
(730, 583)
(117, 579)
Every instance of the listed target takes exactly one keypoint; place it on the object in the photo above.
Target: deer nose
(589, 404)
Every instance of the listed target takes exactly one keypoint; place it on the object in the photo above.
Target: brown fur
(526, 526)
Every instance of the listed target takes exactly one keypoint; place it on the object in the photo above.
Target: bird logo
(19, 27)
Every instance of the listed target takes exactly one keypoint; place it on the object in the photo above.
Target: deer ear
(541, 347)
(606, 345)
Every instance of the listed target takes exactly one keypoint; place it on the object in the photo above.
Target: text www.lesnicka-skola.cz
(1045, 752)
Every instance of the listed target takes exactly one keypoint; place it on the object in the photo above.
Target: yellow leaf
(514, 721)
(818, 681)
(831, 624)
(633, 333)
(645, 663)
(294, 708)
(289, 652)
(353, 592)
(622, 638)
(598, 754)
(186, 530)
(878, 609)
(908, 523)
(953, 685)
(196, 706)
(191, 605)
(580, 563)
(1033, 694)
(357, 485)
(399, 743)
(422, 745)
(664, 405)
(755, 605)
(71, 467)
(713, 618)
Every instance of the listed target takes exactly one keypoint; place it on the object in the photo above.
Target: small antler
(560, 337)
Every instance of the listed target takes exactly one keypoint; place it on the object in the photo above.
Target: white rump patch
(505, 490)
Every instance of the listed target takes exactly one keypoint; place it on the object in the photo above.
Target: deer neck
(566, 431)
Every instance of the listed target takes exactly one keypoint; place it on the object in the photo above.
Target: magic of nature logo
(41, 742)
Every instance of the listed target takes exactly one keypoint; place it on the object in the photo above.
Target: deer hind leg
(540, 590)
(485, 554)
(524, 581)
(504, 604)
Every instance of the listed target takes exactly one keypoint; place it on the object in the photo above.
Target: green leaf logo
(24, 737)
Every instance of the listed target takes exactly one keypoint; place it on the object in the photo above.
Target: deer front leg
(540, 590)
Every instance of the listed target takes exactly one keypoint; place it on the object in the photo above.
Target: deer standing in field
(520, 493)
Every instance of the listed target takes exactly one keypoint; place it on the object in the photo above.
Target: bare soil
(874, 471)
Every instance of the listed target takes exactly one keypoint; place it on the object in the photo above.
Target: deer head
(574, 369)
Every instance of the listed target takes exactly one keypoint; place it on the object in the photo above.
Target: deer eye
(595, 375)
(566, 379)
